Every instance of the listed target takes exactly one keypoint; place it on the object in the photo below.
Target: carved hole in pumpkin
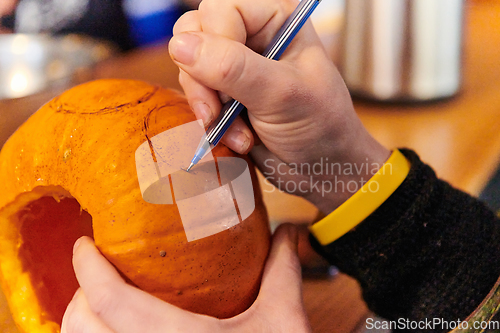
(48, 229)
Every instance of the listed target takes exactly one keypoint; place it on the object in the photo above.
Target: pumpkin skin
(70, 171)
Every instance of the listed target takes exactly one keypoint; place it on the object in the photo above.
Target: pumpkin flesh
(49, 228)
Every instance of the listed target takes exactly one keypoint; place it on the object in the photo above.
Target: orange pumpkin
(70, 171)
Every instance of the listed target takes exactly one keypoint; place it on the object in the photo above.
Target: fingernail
(239, 141)
(184, 48)
(202, 111)
(77, 244)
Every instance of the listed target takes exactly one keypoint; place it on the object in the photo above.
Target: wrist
(339, 178)
(365, 201)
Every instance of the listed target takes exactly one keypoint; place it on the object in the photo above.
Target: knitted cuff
(430, 251)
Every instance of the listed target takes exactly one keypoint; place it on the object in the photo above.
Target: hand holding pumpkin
(298, 107)
(106, 304)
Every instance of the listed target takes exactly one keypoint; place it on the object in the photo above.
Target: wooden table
(459, 137)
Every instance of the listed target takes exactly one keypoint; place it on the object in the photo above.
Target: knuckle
(232, 26)
(187, 22)
(202, 7)
(179, 24)
(207, 6)
(231, 66)
(103, 300)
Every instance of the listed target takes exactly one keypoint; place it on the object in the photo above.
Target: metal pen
(232, 108)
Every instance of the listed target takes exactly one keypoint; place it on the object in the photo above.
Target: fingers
(239, 19)
(278, 307)
(231, 20)
(282, 279)
(204, 101)
(209, 47)
(79, 318)
(280, 294)
(123, 308)
(228, 66)
(189, 21)
(206, 106)
(252, 22)
(239, 137)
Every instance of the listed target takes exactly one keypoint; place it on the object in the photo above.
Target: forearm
(413, 255)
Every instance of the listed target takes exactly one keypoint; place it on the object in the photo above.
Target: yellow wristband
(364, 202)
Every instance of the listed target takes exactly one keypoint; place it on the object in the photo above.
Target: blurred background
(424, 74)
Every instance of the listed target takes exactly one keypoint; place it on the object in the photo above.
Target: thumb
(278, 308)
(282, 280)
(227, 66)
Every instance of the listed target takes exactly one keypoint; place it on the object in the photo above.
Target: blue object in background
(151, 21)
(491, 193)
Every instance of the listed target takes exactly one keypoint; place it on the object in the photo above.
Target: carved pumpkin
(70, 171)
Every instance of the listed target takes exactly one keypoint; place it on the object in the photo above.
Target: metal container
(402, 50)
(32, 63)
(35, 68)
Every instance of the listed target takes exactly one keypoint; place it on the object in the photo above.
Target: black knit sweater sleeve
(430, 251)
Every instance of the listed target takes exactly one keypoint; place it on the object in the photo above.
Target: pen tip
(189, 167)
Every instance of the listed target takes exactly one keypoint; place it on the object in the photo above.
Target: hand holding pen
(298, 107)
(233, 108)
